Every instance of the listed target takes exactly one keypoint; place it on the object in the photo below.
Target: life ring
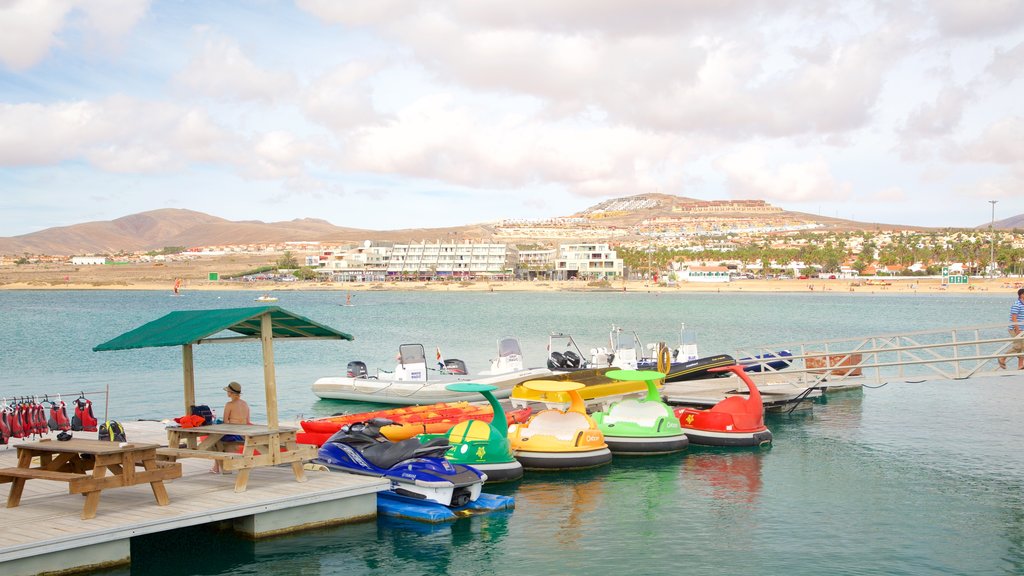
(664, 359)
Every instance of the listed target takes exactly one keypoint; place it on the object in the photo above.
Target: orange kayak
(409, 420)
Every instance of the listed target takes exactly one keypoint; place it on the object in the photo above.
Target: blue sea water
(909, 478)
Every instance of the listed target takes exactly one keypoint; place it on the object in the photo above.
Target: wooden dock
(46, 533)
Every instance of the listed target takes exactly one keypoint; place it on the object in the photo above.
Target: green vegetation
(167, 250)
(260, 270)
(287, 261)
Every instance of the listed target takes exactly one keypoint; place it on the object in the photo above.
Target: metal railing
(951, 353)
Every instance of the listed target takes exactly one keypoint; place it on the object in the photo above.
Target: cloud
(1007, 64)
(341, 99)
(1000, 143)
(975, 18)
(748, 175)
(32, 27)
(436, 138)
(938, 118)
(222, 70)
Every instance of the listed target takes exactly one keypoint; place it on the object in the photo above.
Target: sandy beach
(194, 275)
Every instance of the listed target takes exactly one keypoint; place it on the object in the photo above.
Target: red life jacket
(83, 412)
(18, 422)
(5, 429)
(58, 417)
(39, 420)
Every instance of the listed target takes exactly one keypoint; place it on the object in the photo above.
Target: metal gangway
(949, 353)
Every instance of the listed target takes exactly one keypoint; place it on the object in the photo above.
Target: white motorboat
(411, 382)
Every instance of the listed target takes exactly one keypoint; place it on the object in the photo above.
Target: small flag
(440, 363)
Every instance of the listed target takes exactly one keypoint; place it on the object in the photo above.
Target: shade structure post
(188, 370)
(269, 381)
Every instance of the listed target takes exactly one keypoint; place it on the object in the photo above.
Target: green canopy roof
(193, 326)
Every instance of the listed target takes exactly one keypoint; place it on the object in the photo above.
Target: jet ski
(417, 470)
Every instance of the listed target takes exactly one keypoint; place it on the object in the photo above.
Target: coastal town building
(88, 260)
(536, 263)
(465, 260)
(587, 261)
(365, 263)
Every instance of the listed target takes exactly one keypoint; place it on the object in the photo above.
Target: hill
(1013, 222)
(156, 229)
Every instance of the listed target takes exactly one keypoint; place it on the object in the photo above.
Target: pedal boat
(735, 421)
(480, 443)
(556, 439)
(641, 427)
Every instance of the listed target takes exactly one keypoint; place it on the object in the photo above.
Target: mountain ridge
(163, 227)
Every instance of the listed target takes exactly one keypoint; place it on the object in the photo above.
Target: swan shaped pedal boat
(639, 427)
(735, 421)
(556, 439)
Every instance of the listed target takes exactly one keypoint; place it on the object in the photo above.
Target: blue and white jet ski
(418, 471)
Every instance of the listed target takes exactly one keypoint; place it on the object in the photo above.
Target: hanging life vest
(58, 417)
(5, 428)
(83, 416)
(24, 420)
(39, 420)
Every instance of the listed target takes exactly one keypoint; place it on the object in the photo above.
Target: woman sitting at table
(236, 411)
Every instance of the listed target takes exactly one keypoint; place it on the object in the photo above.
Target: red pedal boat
(409, 420)
(735, 421)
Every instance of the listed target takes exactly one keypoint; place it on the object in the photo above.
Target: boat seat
(643, 413)
(562, 425)
(746, 413)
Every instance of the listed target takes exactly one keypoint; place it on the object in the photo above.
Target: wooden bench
(9, 474)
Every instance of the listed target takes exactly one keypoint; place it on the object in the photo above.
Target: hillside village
(639, 237)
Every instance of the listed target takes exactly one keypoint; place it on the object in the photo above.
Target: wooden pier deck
(46, 533)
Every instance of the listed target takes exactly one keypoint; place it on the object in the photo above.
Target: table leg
(300, 476)
(159, 491)
(18, 484)
(92, 499)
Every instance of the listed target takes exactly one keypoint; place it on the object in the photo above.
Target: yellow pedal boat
(554, 439)
(598, 390)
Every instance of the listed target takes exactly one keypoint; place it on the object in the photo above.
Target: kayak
(409, 420)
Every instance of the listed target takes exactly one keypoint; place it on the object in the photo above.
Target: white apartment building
(596, 261)
(451, 259)
(88, 260)
(536, 263)
(366, 263)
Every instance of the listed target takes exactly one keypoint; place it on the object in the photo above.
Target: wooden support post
(190, 377)
(269, 381)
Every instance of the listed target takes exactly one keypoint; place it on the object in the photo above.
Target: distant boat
(266, 298)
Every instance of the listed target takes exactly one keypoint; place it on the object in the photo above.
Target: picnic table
(73, 460)
(240, 447)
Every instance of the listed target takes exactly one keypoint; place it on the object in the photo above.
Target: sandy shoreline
(924, 285)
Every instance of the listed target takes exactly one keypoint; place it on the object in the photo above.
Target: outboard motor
(556, 361)
(455, 366)
(356, 369)
(572, 359)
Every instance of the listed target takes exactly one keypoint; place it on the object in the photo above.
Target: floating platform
(391, 504)
(59, 541)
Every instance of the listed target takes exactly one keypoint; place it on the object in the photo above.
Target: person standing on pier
(1016, 326)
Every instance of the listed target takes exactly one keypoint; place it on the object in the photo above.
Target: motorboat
(644, 426)
(266, 298)
(410, 421)
(483, 444)
(735, 421)
(412, 382)
(556, 439)
(418, 471)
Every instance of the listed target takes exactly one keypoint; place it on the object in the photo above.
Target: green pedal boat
(481, 444)
(641, 427)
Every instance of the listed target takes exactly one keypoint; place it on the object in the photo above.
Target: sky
(389, 114)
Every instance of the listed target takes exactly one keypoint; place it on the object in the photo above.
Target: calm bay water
(904, 479)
